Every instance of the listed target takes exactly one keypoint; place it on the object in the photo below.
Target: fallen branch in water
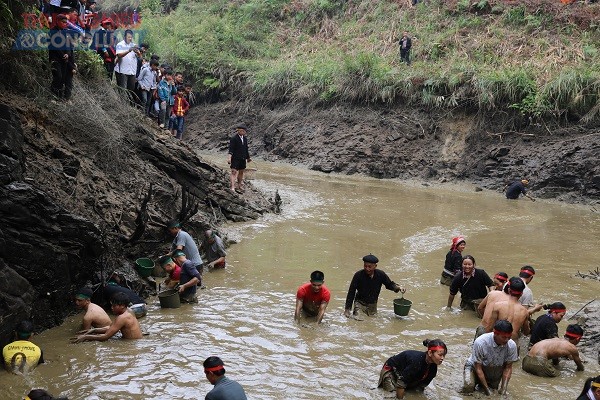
(588, 303)
(592, 274)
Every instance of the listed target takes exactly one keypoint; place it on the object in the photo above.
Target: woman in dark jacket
(412, 369)
(454, 260)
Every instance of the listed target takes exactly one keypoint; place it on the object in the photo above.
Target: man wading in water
(365, 287)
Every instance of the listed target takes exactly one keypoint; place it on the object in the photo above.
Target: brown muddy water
(329, 222)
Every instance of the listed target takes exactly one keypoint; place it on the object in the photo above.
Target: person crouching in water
(454, 259)
(412, 369)
(543, 357)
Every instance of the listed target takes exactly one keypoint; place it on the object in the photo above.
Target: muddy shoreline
(413, 144)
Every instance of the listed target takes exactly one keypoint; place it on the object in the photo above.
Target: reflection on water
(329, 222)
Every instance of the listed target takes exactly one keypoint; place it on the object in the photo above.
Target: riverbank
(412, 143)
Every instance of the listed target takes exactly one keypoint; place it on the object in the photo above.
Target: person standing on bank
(225, 388)
(365, 288)
(184, 241)
(412, 369)
(238, 156)
(405, 45)
(472, 283)
(454, 259)
(514, 189)
(312, 298)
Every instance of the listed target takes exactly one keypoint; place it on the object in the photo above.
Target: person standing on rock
(238, 156)
(543, 357)
(95, 316)
(365, 288)
(22, 355)
(454, 259)
(514, 189)
(184, 241)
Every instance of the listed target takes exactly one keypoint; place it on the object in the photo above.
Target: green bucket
(402, 307)
(144, 267)
(169, 298)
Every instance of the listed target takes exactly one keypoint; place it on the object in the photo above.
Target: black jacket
(237, 149)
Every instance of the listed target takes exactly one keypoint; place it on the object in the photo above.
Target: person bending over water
(312, 298)
(472, 283)
(543, 357)
(126, 323)
(454, 258)
(545, 326)
(412, 369)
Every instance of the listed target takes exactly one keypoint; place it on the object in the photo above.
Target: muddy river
(245, 314)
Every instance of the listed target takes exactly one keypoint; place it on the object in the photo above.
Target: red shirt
(307, 295)
(180, 107)
(174, 275)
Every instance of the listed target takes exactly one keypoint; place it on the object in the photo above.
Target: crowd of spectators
(158, 91)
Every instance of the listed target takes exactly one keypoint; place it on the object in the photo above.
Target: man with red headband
(225, 388)
(546, 326)
(510, 310)
(543, 357)
(490, 364)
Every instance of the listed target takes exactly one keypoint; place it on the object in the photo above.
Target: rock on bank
(72, 183)
(413, 143)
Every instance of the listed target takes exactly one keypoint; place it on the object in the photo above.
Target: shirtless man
(126, 323)
(510, 310)
(543, 357)
(95, 316)
(491, 298)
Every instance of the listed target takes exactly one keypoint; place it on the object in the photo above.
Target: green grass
(272, 51)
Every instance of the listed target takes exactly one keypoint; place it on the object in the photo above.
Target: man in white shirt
(126, 67)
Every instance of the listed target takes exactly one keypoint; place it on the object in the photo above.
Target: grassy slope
(541, 59)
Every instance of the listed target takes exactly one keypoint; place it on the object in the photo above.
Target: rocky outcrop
(77, 203)
(413, 143)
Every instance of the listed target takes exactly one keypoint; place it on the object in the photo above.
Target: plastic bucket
(169, 298)
(402, 307)
(144, 267)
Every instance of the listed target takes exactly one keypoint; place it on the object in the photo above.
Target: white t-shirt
(128, 64)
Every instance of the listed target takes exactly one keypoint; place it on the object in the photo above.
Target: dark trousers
(127, 82)
(405, 55)
(110, 69)
(179, 126)
(146, 101)
(62, 79)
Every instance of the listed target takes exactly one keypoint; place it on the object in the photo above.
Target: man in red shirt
(180, 108)
(172, 269)
(312, 297)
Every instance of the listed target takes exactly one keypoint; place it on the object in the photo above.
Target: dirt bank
(87, 187)
(396, 142)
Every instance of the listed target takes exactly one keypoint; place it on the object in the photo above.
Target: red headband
(515, 291)
(558, 310)
(528, 272)
(500, 278)
(505, 334)
(435, 348)
(573, 335)
(212, 369)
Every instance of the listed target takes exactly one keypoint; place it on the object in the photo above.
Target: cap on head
(24, 329)
(106, 21)
(241, 125)
(317, 277)
(525, 182)
(173, 224)
(164, 260)
(371, 259)
(84, 293)
(178, 253)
